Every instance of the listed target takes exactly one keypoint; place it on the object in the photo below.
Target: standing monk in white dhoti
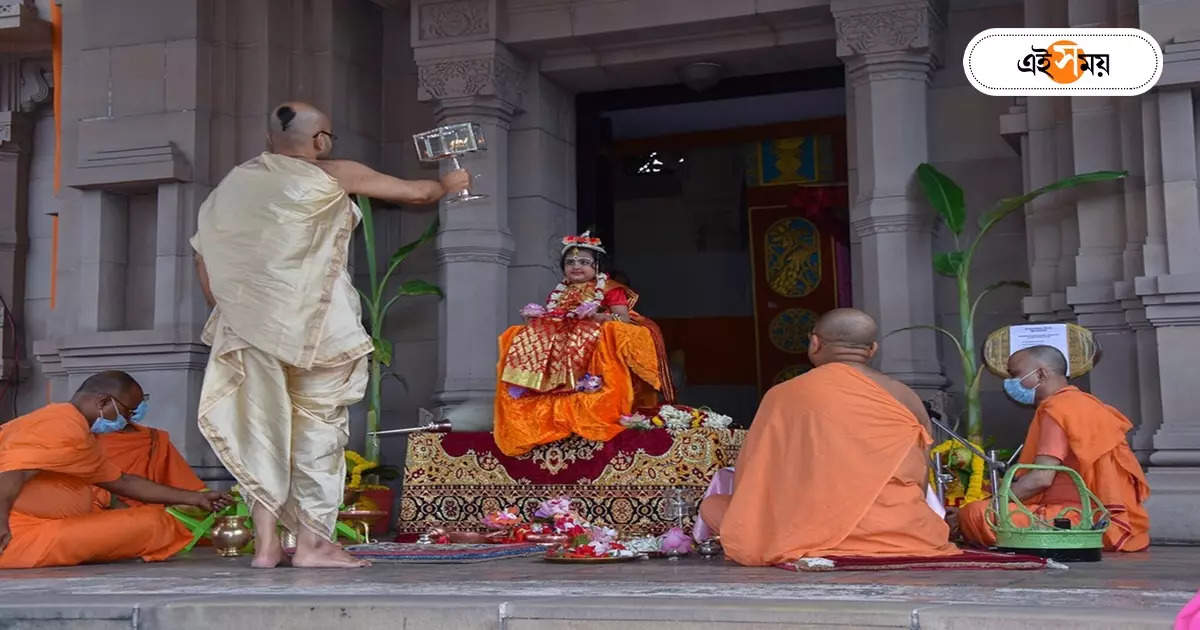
(288, 346)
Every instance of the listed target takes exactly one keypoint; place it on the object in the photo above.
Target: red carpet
(969, 560)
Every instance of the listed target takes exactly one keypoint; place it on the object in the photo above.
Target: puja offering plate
(658, 555)
(558, 557)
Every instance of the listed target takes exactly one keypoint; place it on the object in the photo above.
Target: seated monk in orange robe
(1073, 429)
(49, 462)
(147, 452)
(580, 362)
(834, 463)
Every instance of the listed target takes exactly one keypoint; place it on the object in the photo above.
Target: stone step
(294, 612)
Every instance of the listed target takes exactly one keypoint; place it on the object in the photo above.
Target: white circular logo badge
(1063, 62)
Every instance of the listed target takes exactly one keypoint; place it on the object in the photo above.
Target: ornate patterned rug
(970, 559)
(451, 480)
(413, 553)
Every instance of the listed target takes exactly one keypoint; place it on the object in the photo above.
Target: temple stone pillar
(1043, 219)
(16, 148)
(889, 50)
(1172, 301)
(1068, 229)
(1040, 154)
(25, 77)
(1154, 263)
(469, 75)
(1100, 263)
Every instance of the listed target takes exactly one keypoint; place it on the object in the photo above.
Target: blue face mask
(105, 425)
(1019, 392)
(139, 413)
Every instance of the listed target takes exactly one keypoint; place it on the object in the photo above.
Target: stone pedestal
(889, 50)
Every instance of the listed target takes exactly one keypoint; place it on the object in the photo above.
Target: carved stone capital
(25, 83)
(439, 21)
(907, 26)
(873, 226)
(497, 73)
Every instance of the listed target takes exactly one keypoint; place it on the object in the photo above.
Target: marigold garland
(358, 465)
(974, 491)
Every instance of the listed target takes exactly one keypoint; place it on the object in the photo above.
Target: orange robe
(629, 358)
(54, 520)
(833, 465)
(148, 452)
(624, 354)
(1099, 452)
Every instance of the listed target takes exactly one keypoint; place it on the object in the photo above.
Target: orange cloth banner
(56, 63)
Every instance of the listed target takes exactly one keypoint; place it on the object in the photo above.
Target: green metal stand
(1082, 541)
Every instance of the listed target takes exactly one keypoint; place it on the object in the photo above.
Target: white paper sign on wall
(1029, 335)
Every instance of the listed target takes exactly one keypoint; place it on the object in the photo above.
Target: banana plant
(946, 197)
(377, 301)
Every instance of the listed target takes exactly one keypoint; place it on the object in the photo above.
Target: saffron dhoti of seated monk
(581, 361)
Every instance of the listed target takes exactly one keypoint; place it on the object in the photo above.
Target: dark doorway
(673, 182)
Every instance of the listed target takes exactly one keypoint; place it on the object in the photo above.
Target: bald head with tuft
(845, 335)
(300, 130)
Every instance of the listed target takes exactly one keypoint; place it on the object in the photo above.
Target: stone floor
(203, 591)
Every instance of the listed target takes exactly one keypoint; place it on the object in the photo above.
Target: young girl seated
(580, 360)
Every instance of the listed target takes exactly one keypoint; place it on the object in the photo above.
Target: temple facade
(160, 98)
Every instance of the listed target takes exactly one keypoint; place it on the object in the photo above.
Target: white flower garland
(675, 419)
(597, 298)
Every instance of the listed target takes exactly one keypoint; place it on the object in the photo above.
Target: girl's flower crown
(583, 241)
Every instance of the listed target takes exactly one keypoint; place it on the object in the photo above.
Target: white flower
(601, 548)
(675, 419)
(636, 421)
(603, 534)
(647, 544)
(714, 420)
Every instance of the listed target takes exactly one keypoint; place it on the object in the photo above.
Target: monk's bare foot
(268, 556)
(327, 555)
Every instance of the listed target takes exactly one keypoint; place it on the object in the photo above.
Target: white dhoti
(280, 430)
(289, 353)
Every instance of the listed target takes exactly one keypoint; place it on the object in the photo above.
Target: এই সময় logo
(1064, 62)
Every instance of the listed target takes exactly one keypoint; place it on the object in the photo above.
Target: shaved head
(113, 383)
(843, 335)
(300, 130)
(1047, 357)
(846, 326)
(96, 392)
(1043, 368)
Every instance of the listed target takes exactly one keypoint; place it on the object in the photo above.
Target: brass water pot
(229, 535)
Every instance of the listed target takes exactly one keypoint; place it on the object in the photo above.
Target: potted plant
(367, 489)
(946, 197)
(377, 301)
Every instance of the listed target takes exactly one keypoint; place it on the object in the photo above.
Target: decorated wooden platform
(452, 480)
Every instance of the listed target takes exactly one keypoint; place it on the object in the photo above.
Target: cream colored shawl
(274, 237)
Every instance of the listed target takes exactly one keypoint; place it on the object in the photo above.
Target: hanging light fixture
(701, 76)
